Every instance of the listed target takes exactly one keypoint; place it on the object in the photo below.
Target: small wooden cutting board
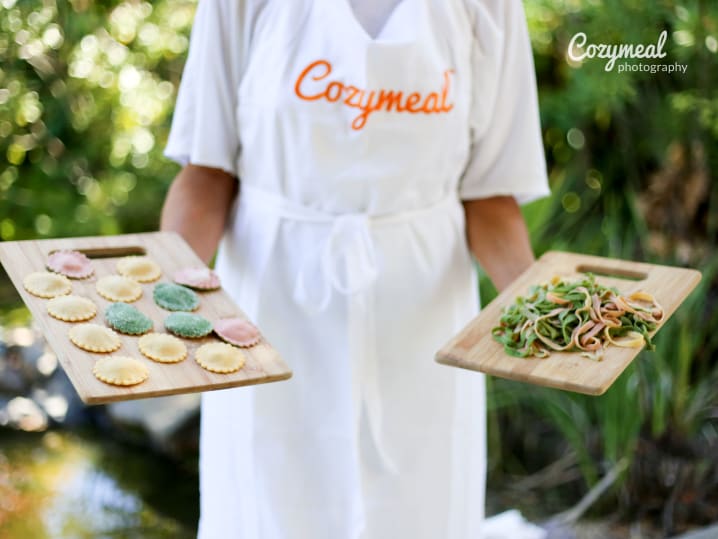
(474, 347)
(171, 252)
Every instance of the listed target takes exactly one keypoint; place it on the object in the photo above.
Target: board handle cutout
(616, 273)
(110, 252)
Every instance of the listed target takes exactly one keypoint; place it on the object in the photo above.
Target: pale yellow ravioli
(94, 338)
(120, 371)
(44, 284)
(118, 288)
(162, 347)
(139, 268)
(220, 357)
(71, 308)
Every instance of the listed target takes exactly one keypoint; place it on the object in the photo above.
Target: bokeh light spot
(571, 202)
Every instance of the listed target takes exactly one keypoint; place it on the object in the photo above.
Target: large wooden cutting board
(474, 347)
(171, 252)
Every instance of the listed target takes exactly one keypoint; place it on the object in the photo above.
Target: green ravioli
(188, 325)
(127, 319)
(174, 297)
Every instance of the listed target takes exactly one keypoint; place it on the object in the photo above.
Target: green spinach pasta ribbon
(576, 316)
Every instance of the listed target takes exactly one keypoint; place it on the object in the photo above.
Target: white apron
(347, 247)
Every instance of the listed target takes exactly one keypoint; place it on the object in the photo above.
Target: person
(348, 158)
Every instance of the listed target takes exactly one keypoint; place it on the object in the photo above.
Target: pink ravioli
(70, 263)
(237, 331)
(200, 278)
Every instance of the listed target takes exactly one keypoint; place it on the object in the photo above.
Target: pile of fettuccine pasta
(576, 316)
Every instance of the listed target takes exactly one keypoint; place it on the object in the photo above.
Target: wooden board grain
(171, 252)
(474, 347)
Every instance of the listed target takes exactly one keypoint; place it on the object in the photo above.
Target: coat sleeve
(204, 126)
(507, 156)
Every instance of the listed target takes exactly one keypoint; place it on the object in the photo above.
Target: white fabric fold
(347, 263)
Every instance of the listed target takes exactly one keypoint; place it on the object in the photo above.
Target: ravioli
(44, 284)
(197, 278)
(188, 325)
(174, 297)
(94, 338)
(162, 347)
(71, 308)
(140, 268)
(237, 331)
(73, 264)
(220, 357)
(118, 288)
(120, 371)
(127, 319)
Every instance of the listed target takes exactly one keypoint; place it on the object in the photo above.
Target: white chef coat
(347, 247)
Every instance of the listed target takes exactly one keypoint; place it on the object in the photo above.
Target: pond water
(60, 484)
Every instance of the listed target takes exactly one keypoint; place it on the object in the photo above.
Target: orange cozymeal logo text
(314, 84)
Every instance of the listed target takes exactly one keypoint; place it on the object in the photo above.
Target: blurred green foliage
(632, 157)
(86, 93)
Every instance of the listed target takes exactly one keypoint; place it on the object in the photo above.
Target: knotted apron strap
(345, 262)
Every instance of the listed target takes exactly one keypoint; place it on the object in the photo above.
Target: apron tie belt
(346, 263)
